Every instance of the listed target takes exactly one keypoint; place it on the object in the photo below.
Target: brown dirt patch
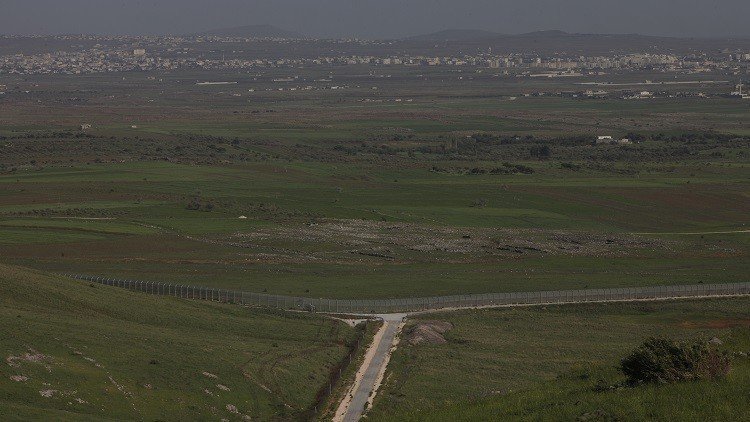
(396, 240)
(427, 332)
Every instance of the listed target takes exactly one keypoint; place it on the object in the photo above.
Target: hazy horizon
(377, 19)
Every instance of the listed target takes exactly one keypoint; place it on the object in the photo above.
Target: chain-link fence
(384, 306)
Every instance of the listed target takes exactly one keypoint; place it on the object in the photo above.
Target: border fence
(384, 306)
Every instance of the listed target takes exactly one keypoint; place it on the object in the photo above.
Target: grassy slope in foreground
(545, 363)
(75, 351)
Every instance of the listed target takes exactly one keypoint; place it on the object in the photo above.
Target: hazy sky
(378, 18)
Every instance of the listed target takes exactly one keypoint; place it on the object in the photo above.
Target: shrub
(540, 151)
(570, 166)
(665, 361)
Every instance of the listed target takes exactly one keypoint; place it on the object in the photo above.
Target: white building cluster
(122, 54)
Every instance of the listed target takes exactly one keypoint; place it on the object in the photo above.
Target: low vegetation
(666, 361)
(74, 351)
(563, 363)
(424, 186)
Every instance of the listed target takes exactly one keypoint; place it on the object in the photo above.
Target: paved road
(375, 368)
(368, 377)
(366, 387)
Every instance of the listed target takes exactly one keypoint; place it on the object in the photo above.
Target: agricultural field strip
(695, 233)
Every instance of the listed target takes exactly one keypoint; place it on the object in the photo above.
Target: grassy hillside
(77, 351)
(575, 398)
(547, 364)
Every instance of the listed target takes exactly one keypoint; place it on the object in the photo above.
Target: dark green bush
(666, 361)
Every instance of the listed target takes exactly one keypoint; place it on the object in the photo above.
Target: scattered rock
(716, 341)
(388, 240)
(210, 375)
(31, 356)
(120, 387)
(427, 332)
(232, 408)
(19, 378)
(222, 387)
(47, 393)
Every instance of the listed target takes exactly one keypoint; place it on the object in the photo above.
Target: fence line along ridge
(384, 306)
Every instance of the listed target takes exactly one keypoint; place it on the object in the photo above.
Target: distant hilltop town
(125, 54)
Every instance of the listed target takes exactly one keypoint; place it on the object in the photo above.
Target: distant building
(609, 140)
(85, 126)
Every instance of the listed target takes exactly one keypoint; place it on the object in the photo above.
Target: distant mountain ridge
(253, 31)
(456, 35)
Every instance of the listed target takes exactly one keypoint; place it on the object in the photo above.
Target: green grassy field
(132, 220)
(435, 183)
(545, 363)
(353, 195)
(75, 351)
